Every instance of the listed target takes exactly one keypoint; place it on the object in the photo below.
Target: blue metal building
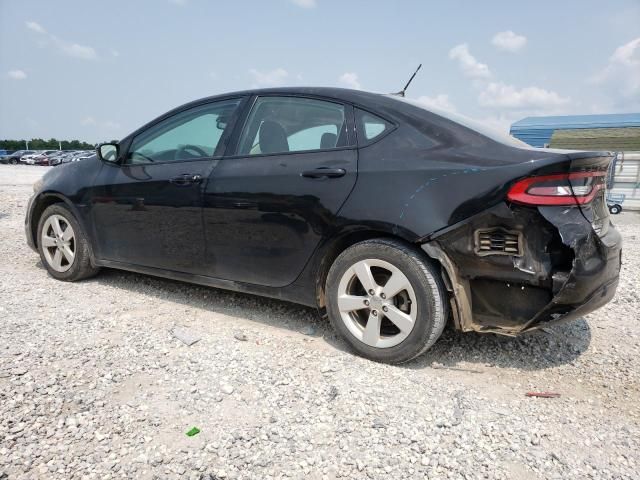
(537, 131)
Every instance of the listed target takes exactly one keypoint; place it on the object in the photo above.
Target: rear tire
(395, 312)
(615, 209)
(63, 246)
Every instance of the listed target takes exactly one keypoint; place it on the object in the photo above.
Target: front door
(147, 210)
(267, 207)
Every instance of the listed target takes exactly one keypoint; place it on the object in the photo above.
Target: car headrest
(272, 137)
(328, 140)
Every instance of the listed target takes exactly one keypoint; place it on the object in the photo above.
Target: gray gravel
(93, 384)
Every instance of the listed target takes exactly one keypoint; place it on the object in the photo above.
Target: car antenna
(401, 92)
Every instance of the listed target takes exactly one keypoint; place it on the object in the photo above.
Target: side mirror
(108, 152)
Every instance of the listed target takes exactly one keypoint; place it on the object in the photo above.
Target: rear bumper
(565, 270)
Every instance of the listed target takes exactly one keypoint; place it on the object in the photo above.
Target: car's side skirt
(292, 293)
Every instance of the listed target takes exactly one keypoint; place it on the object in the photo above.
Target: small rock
(240, 336)
(226, 388)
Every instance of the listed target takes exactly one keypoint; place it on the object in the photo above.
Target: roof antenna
(401, 92)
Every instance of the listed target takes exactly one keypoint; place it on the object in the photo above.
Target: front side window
(188, 135)
(292, 124)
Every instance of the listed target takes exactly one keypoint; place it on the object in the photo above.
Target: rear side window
(293, 124)
(370, 126)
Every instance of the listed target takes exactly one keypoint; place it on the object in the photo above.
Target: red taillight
(575, 188)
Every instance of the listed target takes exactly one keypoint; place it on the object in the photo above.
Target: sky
(97, 70)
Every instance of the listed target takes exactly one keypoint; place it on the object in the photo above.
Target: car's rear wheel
(615, 209)
(386, 300)
(62, 245)
(14, 161)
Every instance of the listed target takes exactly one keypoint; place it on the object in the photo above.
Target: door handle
(324, 172)
(186, 179)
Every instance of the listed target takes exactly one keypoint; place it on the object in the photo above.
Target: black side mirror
(108, 152)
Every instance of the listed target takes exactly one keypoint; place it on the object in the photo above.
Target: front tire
(62, 245)
(615, 209)
(386, 300)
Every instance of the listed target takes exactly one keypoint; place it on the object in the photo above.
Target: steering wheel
(189, 148)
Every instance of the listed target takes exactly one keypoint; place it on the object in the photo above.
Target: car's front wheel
(62, 245)
(386, 300)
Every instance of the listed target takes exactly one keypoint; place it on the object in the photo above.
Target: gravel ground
(93, 385)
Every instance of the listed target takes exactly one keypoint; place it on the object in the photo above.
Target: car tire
(14, 161)
(64, 253)
(408, 306)
(615, 209)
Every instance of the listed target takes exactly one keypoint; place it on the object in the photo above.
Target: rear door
(267, 207)
(147, 210)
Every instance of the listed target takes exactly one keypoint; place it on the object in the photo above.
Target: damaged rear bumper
(561, 263)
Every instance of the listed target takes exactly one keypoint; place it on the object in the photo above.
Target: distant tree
(41, 144)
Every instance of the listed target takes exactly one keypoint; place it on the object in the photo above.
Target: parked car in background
(15, 157)
(56, 158)
(84, 155)
(39, 158)
(5, 153)
(382, 213)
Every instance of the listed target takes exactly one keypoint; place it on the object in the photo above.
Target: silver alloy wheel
(377, 303)
(58, 243)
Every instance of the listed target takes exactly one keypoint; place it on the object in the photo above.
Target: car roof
(342, 94)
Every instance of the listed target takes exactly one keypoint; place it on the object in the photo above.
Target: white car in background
(34, 158)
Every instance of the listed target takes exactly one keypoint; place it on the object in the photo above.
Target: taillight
(575, 188)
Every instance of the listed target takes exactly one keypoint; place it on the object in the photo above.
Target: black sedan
(390, 218)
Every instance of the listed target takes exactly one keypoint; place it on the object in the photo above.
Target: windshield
(469, 123)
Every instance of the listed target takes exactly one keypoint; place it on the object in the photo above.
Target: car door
(267, 207)
(147, 209)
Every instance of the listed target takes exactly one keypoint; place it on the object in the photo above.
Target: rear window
(469, 123)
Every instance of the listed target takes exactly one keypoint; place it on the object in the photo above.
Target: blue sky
(97, 70)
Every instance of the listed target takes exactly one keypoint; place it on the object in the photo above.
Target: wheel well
(338, 246)
(40, 207)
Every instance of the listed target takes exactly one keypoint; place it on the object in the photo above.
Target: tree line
(41, 144)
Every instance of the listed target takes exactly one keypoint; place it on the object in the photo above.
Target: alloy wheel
(58, 243)
(377, 303)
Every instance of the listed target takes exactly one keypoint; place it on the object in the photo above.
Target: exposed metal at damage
(511, 294)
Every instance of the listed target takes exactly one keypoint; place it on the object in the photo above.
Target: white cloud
(467, 62)
(114, 52)
(509, 41)
(622, 72)
(68, 48)
(439, 102)
(271, 78)
(36, 27)
(78, 51)
(350, 80)
(90, 121)
(305, 3)
(180, 3)
(502, 122)
(501, 95)
(17, 74)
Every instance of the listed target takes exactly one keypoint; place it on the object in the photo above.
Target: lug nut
(385, 309)
(382, 295)
(374, 313)
(366, 302)
(371, 292)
